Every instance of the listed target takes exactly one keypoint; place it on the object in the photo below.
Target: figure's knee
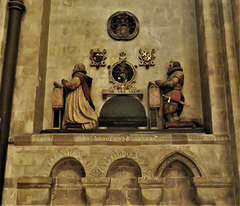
(89, 125)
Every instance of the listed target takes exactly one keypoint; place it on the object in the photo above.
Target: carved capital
(17, 4)
(151, 190)
(151, 196)
(96, 189)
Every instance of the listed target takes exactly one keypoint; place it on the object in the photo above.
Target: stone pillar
(236, 23)
(16, 9)
(211, 66)
(151, 190)
(96, 190)
(232, 86)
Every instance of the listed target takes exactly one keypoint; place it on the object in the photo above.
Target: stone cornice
(199, 182)
(127, 138)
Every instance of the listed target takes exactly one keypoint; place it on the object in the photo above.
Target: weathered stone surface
(212, 160)
(199, 34)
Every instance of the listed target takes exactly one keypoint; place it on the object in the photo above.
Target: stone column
(236, 22)
(16, 9)
(151, 190)
(96, 190)
(211, 66)
(232, 85)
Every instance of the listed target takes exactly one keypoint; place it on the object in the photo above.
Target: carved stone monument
(79, 108)
(122, 110)
(173, 99)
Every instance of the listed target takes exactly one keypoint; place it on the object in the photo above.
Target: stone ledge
(146, 183)
(215, 182)
(119, 139)
(34, 182)
(198, 182)
(95, 182)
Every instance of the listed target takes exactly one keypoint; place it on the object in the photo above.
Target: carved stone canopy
(123, 25)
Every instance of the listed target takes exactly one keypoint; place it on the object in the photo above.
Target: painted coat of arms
(146, 57)
(98, 58)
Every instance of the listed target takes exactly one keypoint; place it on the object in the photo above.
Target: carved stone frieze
(109, 158)
(57, 155)
(96, 172)
(128, 137)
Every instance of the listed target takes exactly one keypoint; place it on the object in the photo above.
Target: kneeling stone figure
(173, 97)
(79, 108)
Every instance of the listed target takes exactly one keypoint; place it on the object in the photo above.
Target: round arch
(124, 163)
(54, 157)
(109, 158)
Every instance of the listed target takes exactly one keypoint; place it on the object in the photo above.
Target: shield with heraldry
(97, 58)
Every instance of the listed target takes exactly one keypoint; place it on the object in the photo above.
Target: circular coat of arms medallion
(123, 25)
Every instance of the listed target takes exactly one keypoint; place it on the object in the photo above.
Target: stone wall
(64, 32)
(143, 165)
(76, 27)
(236, 20)
(27, 76)
(33, 159)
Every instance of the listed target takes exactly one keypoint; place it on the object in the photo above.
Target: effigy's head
(174, 65)
(79, 68)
